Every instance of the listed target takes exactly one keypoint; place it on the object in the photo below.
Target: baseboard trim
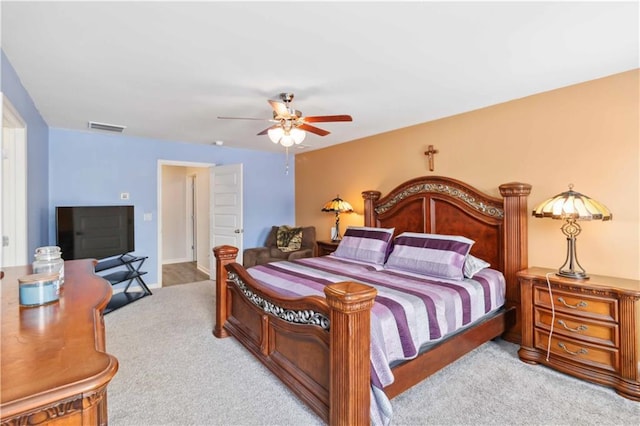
(172, 261)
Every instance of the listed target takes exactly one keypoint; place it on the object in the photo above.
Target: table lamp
(337, 205)
(572, 207)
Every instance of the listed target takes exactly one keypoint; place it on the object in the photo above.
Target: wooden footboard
(318, 347)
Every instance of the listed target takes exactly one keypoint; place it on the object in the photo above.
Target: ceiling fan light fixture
(292, 126)
(286, 141)
(286, 137)
(298, 135)
(275, 134)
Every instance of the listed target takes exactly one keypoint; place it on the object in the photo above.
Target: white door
(226, 210)
(14, 187)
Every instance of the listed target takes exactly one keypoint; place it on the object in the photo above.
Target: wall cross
(431, 152)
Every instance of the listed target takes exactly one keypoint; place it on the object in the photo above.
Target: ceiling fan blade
(265, 131)
(280, 109)
(312, 129)
(327, 118)
(245, 118)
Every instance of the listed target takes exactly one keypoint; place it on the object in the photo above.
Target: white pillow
(473, 265)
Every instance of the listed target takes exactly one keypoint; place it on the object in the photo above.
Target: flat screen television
(94, 231)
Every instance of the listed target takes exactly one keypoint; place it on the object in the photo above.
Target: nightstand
(327, 247)
(593, 327)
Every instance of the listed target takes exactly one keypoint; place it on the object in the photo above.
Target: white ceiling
(166, 70)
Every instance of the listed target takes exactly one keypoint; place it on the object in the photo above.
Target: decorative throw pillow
(289, 238)
(430, 254)
(473, 265)
(365, 244)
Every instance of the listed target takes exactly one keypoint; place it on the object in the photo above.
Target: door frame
(192, 217)
(15, 122)
(162, 163)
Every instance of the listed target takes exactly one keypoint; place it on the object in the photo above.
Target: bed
(321, 345)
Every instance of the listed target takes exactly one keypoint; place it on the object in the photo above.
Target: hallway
(181, 273)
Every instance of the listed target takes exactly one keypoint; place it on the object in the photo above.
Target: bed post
(224, 256)
(349, 360)
(370, 197)
(516, 247)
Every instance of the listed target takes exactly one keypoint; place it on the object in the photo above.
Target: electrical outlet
(124, 195)
(148, 217)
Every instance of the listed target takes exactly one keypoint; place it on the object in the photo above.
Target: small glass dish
(39, 289)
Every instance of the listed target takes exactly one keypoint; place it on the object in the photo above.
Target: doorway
(217, 213)
(183, 222)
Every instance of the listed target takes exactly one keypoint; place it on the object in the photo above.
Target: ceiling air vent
(107, 127)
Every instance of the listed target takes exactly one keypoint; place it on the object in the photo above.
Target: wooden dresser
(595, 334)
(54, 368)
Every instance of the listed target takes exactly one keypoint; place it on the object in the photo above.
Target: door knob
(237, 231)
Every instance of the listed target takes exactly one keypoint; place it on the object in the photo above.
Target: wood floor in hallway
(181, 273)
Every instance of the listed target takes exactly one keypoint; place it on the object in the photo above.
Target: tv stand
(129, 272)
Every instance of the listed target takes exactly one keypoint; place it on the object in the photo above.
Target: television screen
(94, 231)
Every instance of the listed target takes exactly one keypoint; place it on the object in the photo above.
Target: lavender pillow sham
(430, 254)
(365, 244)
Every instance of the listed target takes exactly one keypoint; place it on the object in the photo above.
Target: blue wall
(66, 167)
(91, 168)
(37, 156)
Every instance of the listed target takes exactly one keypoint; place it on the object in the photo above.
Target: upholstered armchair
(272, 253)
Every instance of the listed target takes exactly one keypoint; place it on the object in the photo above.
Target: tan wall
(586, 134)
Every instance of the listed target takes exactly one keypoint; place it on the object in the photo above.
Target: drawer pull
(582, 351)
(580, 304)
(579, 328)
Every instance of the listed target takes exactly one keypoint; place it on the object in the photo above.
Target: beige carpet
(173, 371)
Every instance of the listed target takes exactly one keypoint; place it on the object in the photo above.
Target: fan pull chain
(286, 169)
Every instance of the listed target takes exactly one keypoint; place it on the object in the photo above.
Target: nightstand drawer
(582, 352)
(604, 333)
(577, 304)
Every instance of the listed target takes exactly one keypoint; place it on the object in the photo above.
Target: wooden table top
(53, 351)
(622, 285)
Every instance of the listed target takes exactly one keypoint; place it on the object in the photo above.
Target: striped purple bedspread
(410, 310)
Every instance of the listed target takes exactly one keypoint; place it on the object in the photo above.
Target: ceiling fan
(290, 125)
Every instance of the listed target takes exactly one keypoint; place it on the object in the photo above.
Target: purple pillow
(365, 244)
(430, 254)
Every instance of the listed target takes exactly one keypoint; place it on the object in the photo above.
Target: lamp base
(337, 237)
(571, 267)
(573, 274)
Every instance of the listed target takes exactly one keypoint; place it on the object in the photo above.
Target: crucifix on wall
(431, 152)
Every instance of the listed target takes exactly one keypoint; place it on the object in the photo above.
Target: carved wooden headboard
(436, 204)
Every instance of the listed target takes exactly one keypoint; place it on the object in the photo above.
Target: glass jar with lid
(49, 260)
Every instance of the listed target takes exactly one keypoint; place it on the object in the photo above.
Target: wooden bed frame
(319, 347)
